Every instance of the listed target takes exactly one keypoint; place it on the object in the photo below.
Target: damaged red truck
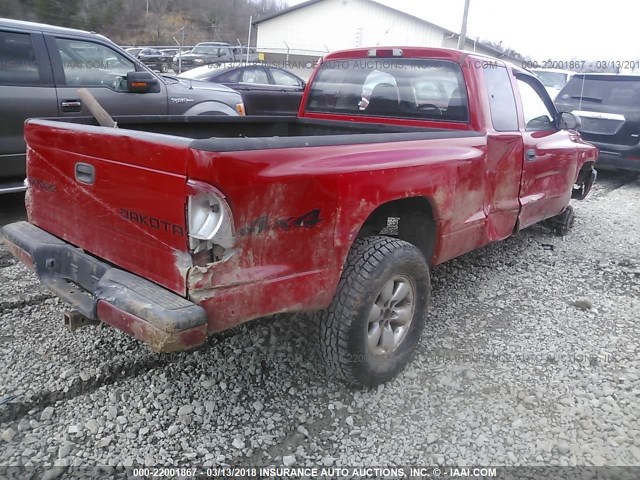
(399, 159)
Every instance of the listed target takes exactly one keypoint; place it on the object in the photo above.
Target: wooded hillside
(152, 22)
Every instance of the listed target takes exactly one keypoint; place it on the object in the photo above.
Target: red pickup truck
(399, 159)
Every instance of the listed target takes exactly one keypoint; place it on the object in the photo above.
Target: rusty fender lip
(149, 312)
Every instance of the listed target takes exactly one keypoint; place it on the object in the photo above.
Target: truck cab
(41, 68)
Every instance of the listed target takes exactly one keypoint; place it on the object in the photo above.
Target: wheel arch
(585, 178)
(210, 107)
(412, 219)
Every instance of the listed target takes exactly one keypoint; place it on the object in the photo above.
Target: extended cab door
(503, 169)
(550, 155)
(103, 71)
(26, 90)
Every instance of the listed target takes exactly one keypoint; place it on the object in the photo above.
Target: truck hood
(253, 57)
(197, 55)
(186, 85)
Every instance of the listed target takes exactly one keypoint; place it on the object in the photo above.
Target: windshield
(206, 49)
(618, 91)
(552, 79)
(406, 88)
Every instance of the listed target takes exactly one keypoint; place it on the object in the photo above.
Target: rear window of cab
(398, 88)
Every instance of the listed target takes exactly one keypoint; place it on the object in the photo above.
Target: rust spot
(159, 340)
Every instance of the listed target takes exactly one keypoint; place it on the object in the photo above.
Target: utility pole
(463, 30)
(249, 36)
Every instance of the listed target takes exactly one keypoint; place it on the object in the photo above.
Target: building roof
(495, 52)
(311, 2)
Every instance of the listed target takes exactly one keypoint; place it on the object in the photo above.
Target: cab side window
(90, 64)
(18, 65)
(536, 114)
(502, 102)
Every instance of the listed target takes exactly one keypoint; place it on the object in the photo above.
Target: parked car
(265, 90)
(553, 79)
(339, 211)
(208, 53)
(41, 68)
(170, 51)
(152, 58)
(609, 108)
(133, 51)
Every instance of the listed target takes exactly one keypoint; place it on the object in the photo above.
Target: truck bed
(131, 185)
(226, 134)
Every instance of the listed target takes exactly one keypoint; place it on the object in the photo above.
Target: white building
(315, 27)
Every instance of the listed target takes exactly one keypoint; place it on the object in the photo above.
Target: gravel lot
(530, 357)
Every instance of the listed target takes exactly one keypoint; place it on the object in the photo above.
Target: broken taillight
(209, 223)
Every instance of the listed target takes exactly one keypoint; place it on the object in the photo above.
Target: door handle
(530, 154)
(71, 105)
(85, 173)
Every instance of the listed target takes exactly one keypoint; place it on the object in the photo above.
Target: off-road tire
(343, 327)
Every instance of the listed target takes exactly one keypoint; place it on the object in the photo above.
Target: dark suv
(42, 67)
(609, 108)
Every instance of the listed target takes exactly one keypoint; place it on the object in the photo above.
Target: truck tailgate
(117, 194)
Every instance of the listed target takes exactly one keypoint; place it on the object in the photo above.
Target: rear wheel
(374, 323)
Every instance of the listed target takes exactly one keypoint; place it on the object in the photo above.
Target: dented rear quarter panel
(282, 265)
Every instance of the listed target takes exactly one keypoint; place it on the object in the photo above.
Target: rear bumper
(14, 186)
(616, 161)
(166, 321)
(154, 63)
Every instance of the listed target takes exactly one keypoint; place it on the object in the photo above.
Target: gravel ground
(530, 357)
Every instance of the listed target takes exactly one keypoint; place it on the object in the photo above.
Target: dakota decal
(41, 184)
(151, 222)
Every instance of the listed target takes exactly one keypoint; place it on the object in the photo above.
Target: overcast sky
(541, 29)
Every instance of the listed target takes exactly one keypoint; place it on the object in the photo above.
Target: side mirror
(569, 121)
(140, 82)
